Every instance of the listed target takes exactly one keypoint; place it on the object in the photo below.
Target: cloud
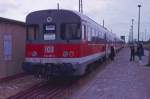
(8, 5)
(116, 13)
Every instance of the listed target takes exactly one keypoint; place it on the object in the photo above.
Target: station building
(12, 47)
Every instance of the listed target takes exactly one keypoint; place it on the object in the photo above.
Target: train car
(64, 42)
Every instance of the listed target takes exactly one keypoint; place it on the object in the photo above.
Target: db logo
(49, 49)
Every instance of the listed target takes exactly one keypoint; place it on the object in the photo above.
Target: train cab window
(70, 32)
(32, 32)
(49, 32)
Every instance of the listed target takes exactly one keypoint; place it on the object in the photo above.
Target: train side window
(88, 33)
(32, 32)
(49, 32)
(103, 35)
(70, 31)
(96, 35)
(93, 35)
(99, 35)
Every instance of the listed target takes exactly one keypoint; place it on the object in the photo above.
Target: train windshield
(32, 32)
(70, 32)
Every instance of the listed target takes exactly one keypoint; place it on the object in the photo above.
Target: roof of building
(11, 21)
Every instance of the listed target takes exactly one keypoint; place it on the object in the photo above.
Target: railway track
(58, 88)
(10, 78)
(45, 90)
(13, 85)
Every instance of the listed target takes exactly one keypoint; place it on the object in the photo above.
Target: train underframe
(61, 69)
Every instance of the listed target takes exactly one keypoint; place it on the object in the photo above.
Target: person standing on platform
(140, 51)
(112, 53)
(132, 53)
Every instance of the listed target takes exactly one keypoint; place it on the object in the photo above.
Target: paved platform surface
(121, 79)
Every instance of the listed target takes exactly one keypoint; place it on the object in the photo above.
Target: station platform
(121, 79)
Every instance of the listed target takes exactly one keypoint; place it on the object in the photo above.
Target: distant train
(64, 42)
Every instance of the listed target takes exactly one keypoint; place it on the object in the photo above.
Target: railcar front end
(56, 44)
(63, 43)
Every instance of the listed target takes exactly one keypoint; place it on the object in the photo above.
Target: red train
(64, 42)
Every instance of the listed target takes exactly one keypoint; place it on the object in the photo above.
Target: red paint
(75, 50)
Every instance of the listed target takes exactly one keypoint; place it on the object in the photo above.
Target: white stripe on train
(66, 60)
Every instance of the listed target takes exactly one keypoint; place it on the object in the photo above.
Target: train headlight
(34, 53)
(65, 54)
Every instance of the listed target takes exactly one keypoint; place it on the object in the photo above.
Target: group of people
(136, 51)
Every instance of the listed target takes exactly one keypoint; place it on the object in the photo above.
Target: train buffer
(121, 79)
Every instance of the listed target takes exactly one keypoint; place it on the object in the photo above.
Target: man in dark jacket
(112, 53)
(140, 52)
(132, 53)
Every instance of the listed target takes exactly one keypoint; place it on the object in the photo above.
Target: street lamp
(58, 5)
(79, 5)
(139, 22)
(132, 30)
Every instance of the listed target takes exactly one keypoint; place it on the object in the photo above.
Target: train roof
(76, 14)
(80, 15)
(86, 18)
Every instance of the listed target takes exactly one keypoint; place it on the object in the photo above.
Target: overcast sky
(116, 13)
